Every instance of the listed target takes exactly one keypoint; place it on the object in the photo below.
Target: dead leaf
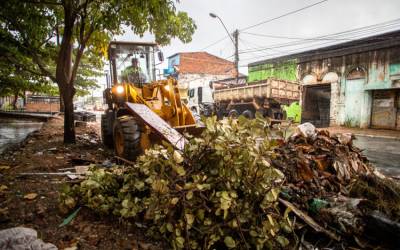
(30, 196)
(3, 188)
(4, 167)
(322, 164)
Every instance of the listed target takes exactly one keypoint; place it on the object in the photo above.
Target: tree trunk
(63, 72)
(61, 103)
(69, 126)
(14, 103)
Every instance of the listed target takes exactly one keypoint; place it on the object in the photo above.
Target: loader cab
(133, 62)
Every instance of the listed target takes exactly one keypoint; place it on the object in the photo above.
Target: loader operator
(134, 73)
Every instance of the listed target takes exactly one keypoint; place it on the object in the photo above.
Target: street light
(235, 43)
(213, 15)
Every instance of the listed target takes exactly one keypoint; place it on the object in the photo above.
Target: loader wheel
(127, 135)
(106, 130)
(233, 113)
(248, 114)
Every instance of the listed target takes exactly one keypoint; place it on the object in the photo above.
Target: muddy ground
(44, 152)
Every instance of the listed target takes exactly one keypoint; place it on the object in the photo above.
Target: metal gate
(316, 105)
(385, 109)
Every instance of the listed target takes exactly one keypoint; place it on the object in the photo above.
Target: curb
(379, 136)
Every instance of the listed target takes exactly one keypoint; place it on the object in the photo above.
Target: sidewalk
(375, 133)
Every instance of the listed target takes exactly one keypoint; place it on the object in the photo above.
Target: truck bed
(270, 88)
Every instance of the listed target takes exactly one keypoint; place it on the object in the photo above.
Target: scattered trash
(21, 238)
(307, 219)
(107, 163)
(30, 196)
(306, 130)
(67, 220)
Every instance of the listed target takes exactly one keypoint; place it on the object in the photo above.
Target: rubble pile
(239, 187)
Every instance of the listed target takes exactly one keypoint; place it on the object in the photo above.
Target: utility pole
(236, 38)
(235, 41)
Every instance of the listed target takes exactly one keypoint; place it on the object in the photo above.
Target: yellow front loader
(141, 111)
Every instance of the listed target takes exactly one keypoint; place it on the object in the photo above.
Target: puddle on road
(14, 131)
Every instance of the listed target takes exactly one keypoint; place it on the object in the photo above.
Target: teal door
(354, 101)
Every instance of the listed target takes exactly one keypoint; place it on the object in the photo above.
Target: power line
(283, 15)
(295, 38)
(351, 35)
(214, 43)
(338, 50)
(269, 20)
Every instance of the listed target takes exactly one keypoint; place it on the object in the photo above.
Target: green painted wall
(284, 71)
(293, 111)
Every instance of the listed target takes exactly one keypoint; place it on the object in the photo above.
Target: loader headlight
(120, 89)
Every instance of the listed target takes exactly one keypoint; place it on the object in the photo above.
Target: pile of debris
(317, 164)
(235, 187)
(333, 184)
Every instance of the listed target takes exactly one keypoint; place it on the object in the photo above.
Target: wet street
(16, 130)
(384, 153)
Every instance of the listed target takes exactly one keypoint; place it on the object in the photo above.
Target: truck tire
(248, 114)
(233, 113)
(106, 130)
(127, 133)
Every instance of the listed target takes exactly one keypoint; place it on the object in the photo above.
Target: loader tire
(107, 130)
(127, 135)
(233, 113)
(248, 114)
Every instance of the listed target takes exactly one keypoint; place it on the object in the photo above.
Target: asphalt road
(384, 153)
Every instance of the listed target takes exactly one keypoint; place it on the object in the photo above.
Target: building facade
(196, 69)
(354, 84)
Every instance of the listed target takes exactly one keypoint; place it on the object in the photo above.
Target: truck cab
(201, 100)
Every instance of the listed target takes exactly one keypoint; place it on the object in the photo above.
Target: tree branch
(46, 72)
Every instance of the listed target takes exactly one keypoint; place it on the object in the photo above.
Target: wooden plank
(158, 125)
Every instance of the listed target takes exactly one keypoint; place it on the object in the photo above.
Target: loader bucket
(157, 124)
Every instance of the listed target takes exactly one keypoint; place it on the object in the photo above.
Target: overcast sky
(326, 18)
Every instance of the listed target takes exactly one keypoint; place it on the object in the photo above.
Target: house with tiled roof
(195, 69)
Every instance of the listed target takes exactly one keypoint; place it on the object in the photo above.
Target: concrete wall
(187, 81)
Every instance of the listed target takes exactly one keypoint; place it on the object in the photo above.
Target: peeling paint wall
(351, 96)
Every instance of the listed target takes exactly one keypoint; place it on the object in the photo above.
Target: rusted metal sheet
(158, 125)
(384, 111)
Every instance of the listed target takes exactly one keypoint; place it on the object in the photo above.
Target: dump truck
(141, 110)
(266, 97)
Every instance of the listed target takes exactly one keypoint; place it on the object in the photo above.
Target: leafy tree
(60, 31)
(16, 80)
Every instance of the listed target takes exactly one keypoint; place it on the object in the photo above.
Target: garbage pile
(238, 187)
